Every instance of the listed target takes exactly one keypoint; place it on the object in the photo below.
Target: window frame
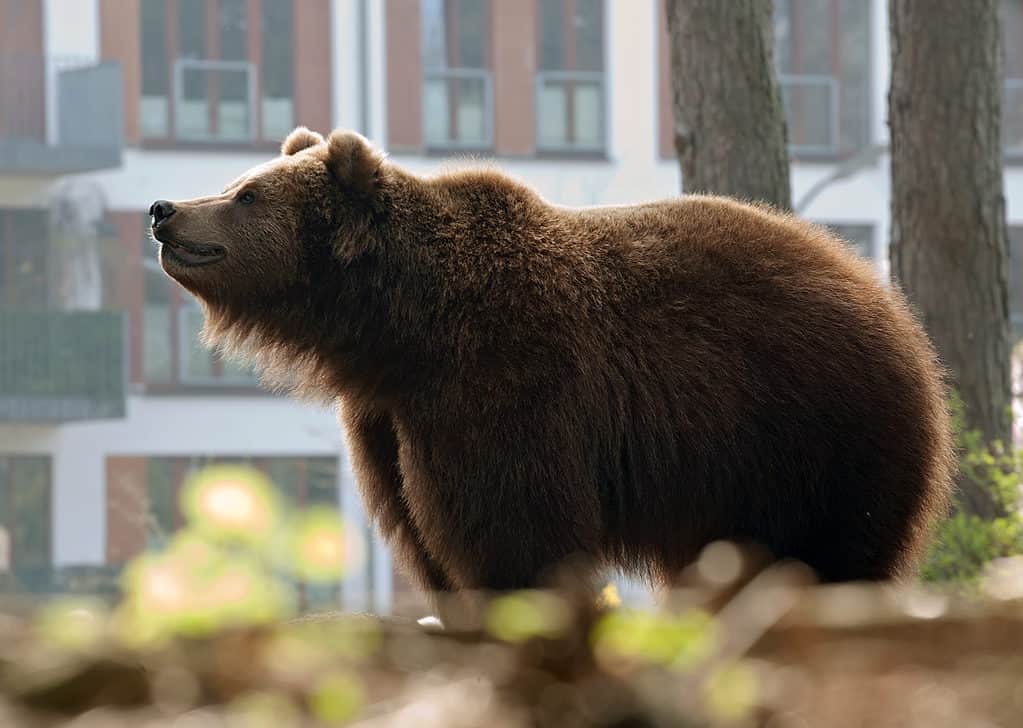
(834, 152)
(448, 73)
(175, 63)
(10, 460)
(570, 77)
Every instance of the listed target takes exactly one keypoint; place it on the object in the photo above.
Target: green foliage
(965, 543)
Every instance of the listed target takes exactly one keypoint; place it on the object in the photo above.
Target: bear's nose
(161, 210)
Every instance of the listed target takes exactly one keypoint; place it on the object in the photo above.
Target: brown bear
(520, 382)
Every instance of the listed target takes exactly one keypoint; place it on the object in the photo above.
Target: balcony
(58, 366)
(59, 116)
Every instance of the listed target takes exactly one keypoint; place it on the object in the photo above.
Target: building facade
(108, 400)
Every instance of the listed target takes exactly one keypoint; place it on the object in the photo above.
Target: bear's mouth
(189, 255)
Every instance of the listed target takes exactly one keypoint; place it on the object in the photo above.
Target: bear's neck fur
(401, 291)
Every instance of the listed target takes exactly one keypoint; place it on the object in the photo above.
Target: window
(172, 353)
(823, 52)
(301, 481)
(25, 522)
(1012, 113)
(457, 82)
(570, 75)
(24, 259)
(217, 77)
(860, 237)
(1016, 283)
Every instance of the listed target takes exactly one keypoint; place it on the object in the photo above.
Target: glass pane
(277, 70)
(470, 18)
(192, 116)
(229, 89)
(1012, 23)
(233, 120)
(24, 256)
(286, 475)
(323, 481)
(589, 39)
(155, 71)
(198, 365)
(162, 500)
(552, 34)
(1016, 282)
(30, 523)
(435, 54)
(157, 318)
(854, 102)
(233, 24)
(472, 126)
(153, 116)
(1012, 124)
(588, 114)
(809, 107)
(192, 29)
(278, 117)
(553, 115)
(156, 342)
(436, 116)
(822, 48)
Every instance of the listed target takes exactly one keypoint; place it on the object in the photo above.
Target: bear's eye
(247, 197)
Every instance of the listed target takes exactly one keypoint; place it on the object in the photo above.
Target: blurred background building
(107, 399)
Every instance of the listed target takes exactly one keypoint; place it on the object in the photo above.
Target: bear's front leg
(501, 515)
(374, 453)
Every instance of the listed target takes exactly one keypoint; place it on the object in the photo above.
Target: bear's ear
(301, 138)
(354, 163)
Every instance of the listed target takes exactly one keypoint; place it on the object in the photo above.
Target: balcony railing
(458, 108)
(59, 115)
(812, 111)
(570, 111)
(58, 366)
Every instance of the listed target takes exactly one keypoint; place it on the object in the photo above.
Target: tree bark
(729, 124)
(949, 241)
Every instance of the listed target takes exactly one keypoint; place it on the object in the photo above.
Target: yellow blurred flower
(318, 547)
(231, 501)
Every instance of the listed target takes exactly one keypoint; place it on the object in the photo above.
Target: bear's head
(271, 251)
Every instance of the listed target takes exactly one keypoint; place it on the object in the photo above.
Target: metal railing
(812, 111)
(458, 108)
(562, 124)
(58, 366)
(214, 101)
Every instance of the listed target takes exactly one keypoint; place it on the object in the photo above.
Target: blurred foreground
(768, 651)
(209, 631)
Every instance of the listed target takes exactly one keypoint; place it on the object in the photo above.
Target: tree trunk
(729, 125)
(949, 242)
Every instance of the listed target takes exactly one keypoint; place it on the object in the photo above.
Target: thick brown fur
(521, 382)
